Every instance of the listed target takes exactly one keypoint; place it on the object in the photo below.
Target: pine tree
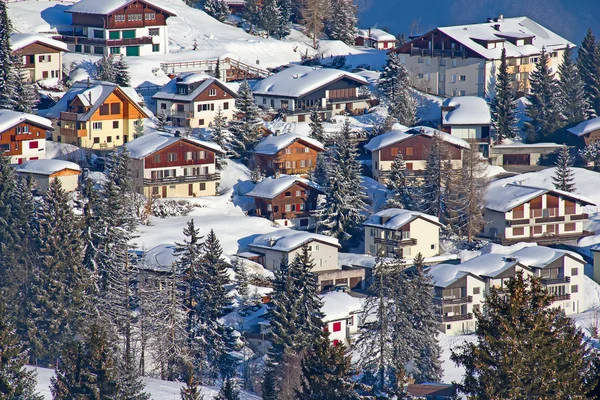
(243, 290)
(138, 129)
(219, 134)
(502, 105)
(341, 25)
(268, 384)
(15, 381)
(591, 154)
(121, 72)
(217, 71)
(130, 385)
(319, 173)
(588, 64)
(563, 178)
(252, 13)
(190, 391)
(316, 126)
(394, 85)
(229, 390)
(217, 9)
(313, 15)
(573, 102)
(543, 108)
(245, 126)
(524, 347)
(397, 183)
(437, 173)
(284, 27)
(7, 78)
(26, 96)
(105, 70)
(270, 16)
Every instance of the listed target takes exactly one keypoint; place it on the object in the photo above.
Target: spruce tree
(437, 173)
(524, 347)
(270, 16)
(229, 390)
(284, 27)
(394, 85)
(573, 102)
(138, 128)
(121, 72)
(7, 78)
(502, 105)
(543, 108)
(319, 173)
(106, 70)
(591, 154)
(563, 178)
(268, 384)
(588, 64)
(219, 134)
(245, 126)
(316, 126)
(391, 80)
(191, 391)
(341, 24)
(252, 13)
(26, 96)
(130, 385)
(216, 9)
(217, 71)
(397, 183)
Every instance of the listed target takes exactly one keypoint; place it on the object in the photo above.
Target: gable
(222, 93)
(415, 148)
(138, 7)
(37, 48)
(298, 186)
(160, 158)
(298, 148)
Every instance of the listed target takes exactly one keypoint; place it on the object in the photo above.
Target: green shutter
(129, 34)
(114, 35)
(132, 50)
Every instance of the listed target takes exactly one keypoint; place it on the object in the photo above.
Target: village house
(192, 100)
(521, 154)
(23, 136)
(431, 391)
(468, 118)
(97, 115)
(588, 130)
(269, 249)
(128, 27)
(413, 144)
(44, 171)
(460, 289)
(287, 154)
(404, 233)
(341, 316)
(286, 200)
(41, 56)
(463, 60)
(296, 91)
(519, 213)
(168, 165)
(375, 38)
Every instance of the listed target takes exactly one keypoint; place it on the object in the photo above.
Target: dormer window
(182, 89)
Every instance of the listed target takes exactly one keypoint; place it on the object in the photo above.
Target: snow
(338, 305)
(585, 127)
(397, 218)
(161, 258)
(106, 7)
(517, 28)
(64, 151)
(300, 80)
(532, 146)
(376, 34)
(152, 142)
(273, 144)
(286, 240)
(46, 167)
(368, 261)
(9, 118)
(20, 40)
(396, 136)
(169, 91)
(468, 110)
(270, 187)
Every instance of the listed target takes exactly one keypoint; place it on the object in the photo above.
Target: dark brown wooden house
(287, 154)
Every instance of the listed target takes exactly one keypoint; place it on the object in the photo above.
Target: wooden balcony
(396, 242)
(454, 300)
(561, 297)
(555, 281)
(73, 132)
(348, 99)
(70, 116)
(514, 222)
(549, 219)
(182, 114)
(578, 217)
(454, 318)
(181, 179)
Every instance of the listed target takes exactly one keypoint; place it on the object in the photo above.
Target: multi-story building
(128, 27)
(286, 200)
(463, 60)
(460, 289)
(404, 233)
(413, 144)
(468, 118)
(521, 154)
(296, 91)
(518, 213)
(97, 115)
(165, 165)
(287, 154)
(23, 136)
(375, 38)
(341, 316)
(41, 56)
(192, 100)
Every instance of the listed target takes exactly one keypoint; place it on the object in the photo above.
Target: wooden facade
(222, 93)
(300, 199)
(416, 148)
(297, 158)
(110, 21)
(180, 154)
(11, 140)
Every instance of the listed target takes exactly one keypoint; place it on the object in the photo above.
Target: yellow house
(97, 115)
(44, 171)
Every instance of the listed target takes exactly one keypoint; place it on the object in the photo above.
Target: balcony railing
(73, 132)
(513, 222)
(456, 300)
(415, 51)
(182, 114)
(556, 281)
(549, 219)
(104, 42)
(182, 179)
(561, 297)
(453, 318)
(70, 116)
(347, 99)
(396, 242)
(578, 217)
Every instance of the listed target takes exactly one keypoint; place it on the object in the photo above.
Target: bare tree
(314, 13)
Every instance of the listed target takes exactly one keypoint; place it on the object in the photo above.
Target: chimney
(510, 259)
(490, 20)
(497, 27)
(501, 17)
(177, 134)
(384, 219)
(272, 242)
(88, 81)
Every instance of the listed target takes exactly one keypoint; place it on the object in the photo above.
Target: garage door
(132, 50)
(516, 159)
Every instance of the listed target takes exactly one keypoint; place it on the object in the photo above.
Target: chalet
(192, 100)
(518, 213)
(468, 118)
(97, 115)
(286, 200)
(23, 136)
(413, 144)
(128, 27)
(521, 154)
(588, 130)
(341, 316)
(41, 56)
(460, 289)
(44, 171)
(287, 154)
(463, 60)
(168, 165)
(375, 38)
(295, 91)
(404, 233)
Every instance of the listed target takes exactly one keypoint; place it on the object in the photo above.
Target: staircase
(234, 70)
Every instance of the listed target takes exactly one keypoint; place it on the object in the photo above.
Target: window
(302, 163)
(150, 16)
(114, 35)
(104, 109)
(129, 34)
(409, 151)
(98, 50)
(226, 106)
(570, 227)
(115, 124)
(462, 93)
(288, 207)
(462, 78)
(432, 247)
(115, 50)
(41, 58)
(98, 34)
(448, 326)
(264, 100)
(77, 48)
(306, 150)
(428, 61)
(476, 308)
(269, 207)
(373, 232)
(302, 206)
(350, 321)
(109, 139)
(420, 75)
(163, 106)
(298, 193)
(156, 48)
(574, 271)
(201, 122)
(337, 326)
(97, 126)
(33, 144)
(172, 157)
(157, 158)
(475, 290)
(96, 140)
(202, 186)
(420, 60)
(288, 151)
(288, 194)
(533, 60)
(188, 156)
(574, 288)
(134, 17)
(87, 49)
(120, 18)
(212, 92)
(115, 108)
(153, 32)
(518, 231)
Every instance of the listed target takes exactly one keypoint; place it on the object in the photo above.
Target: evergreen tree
(121, 72)
(270, 16)
(26, 96)
(217, 9)
(15, 381)
(268, 384)
(397, 183)
(341, 25)
(138, 129)
(7, 78)
(130, 385)
(563, 178)
(229, 390)
(217, 71)
(573, 102)
(219, 134)
(245, 126)
(588, 64)
(502, 105)
(316, 126)
(395, 86)
(252, 13)
(243, 290)
(543, 108)
(284, 27)
(319, 173)
(105, 70)
(313, 15)
(437, 173)
(524, 347)
(591, 154)
(190, 391)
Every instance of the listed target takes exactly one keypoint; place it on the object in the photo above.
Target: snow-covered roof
(272, 186)
(339, 305)
(9, 118)
(151, 143)
(518, 145)
(389, 138)
(273, 144)
(508, 28)
(286, 240)
(169, 91)
(467, 110)
(505, 198)
(376, 34)
(46, 167)
(20, 40)
(105, 7)
(396, 218)
(300, 80)
(586, 127)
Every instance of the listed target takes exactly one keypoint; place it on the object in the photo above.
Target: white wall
(325, 257)
(426, 233)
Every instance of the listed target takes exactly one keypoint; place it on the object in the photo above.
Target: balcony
(104, 42)
(514, 222)
(181, 179)
(555, 281)
(70, 116)
(549, 219)
(578, 217)
(454, 318)
(455, 300)
(396, 242)
(561, 297)
(348, 99)
(415, 51)
(182, 114)
(296, 214)
(73, 132)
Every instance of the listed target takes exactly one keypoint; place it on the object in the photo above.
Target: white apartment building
(41, 56)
